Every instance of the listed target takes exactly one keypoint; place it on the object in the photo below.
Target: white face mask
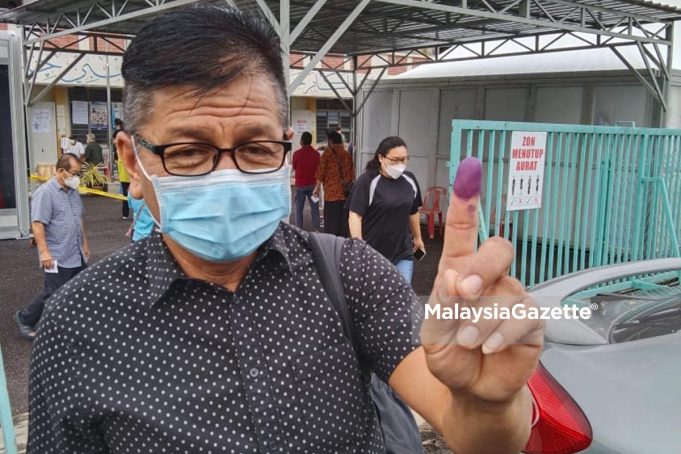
(395, 171)
(73, 182)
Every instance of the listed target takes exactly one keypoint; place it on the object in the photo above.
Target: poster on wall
(526, 170)
(300, 126)
(79, 112)
(116, 111)
(41, 121)
(98, 117)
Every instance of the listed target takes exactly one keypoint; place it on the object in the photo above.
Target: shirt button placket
(258, 386)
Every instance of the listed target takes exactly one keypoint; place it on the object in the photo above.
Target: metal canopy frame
(366, 37)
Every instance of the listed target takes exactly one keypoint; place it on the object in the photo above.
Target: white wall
(302, 119)
(421, 111)
(506, 103)
(42, 142)
(418, 120)
(558, 104)
(613, 103)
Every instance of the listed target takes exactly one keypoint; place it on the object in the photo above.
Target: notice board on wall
(526, 170)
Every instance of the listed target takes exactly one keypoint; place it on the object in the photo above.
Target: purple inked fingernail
(468, 181)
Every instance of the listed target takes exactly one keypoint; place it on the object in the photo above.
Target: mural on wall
(314, 85)
(91, 71)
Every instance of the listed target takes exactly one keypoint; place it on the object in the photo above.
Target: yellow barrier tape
(84, 190)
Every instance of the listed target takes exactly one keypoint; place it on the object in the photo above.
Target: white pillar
(672, 117)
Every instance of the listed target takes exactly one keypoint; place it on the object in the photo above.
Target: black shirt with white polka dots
(133, 356)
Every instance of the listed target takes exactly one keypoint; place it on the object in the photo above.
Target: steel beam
(329, 44)
(488, 49)
(285, 38)
(269, 16)
(102, 23)
(30, 101)
(300, 27)
(335, 92)
(652, 76)
(640, 78)
(371, 90)
(540, 23)
(20, 149)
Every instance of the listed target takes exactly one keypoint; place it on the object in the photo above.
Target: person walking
(76, 148)
(124, 179)
(118, 127)
(383, 211)
(58, 231)
(93, 151)
(339, 130)
(384, 206)
(305, 164)
(123, 176)
(336, 174)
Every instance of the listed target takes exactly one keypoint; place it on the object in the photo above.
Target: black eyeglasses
(195, 159)
(403, 160)
(73, 174)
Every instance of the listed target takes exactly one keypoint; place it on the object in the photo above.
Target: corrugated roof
(381, 26)
(587, 60)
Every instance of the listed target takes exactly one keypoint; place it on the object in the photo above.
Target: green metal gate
(610, 195)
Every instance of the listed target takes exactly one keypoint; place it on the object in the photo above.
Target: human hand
(86, 251)
(489, 361)
(46, 261)
(418, 244)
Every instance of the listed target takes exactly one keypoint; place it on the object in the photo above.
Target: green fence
(609, 194)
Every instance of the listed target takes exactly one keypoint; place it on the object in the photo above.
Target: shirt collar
(162, 271)
(55, 184)
(160, 268)
(277, 247)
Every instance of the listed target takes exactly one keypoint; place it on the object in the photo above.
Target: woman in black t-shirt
(384, 206)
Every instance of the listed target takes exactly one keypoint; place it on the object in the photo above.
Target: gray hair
(204, 47)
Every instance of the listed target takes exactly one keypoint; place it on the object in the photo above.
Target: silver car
(611, 383)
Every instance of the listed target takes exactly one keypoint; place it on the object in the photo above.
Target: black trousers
(336, 218)
(125, 207)
(31, 314)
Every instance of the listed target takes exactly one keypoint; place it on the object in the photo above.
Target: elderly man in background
(215, 334)
(76, 148)
(93, 151)
(58, 232)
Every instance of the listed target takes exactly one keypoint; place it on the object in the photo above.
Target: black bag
(400, 433)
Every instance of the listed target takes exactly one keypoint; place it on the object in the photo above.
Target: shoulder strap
(326, 250)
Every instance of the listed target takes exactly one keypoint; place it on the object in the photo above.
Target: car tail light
(558, 424)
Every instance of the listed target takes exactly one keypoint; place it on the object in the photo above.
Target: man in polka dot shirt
(215, 335)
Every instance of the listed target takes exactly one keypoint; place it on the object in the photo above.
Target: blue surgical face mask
(225, 215)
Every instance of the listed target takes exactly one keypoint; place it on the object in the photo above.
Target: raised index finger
(461, 234)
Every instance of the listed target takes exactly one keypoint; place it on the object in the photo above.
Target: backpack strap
(326, 251)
